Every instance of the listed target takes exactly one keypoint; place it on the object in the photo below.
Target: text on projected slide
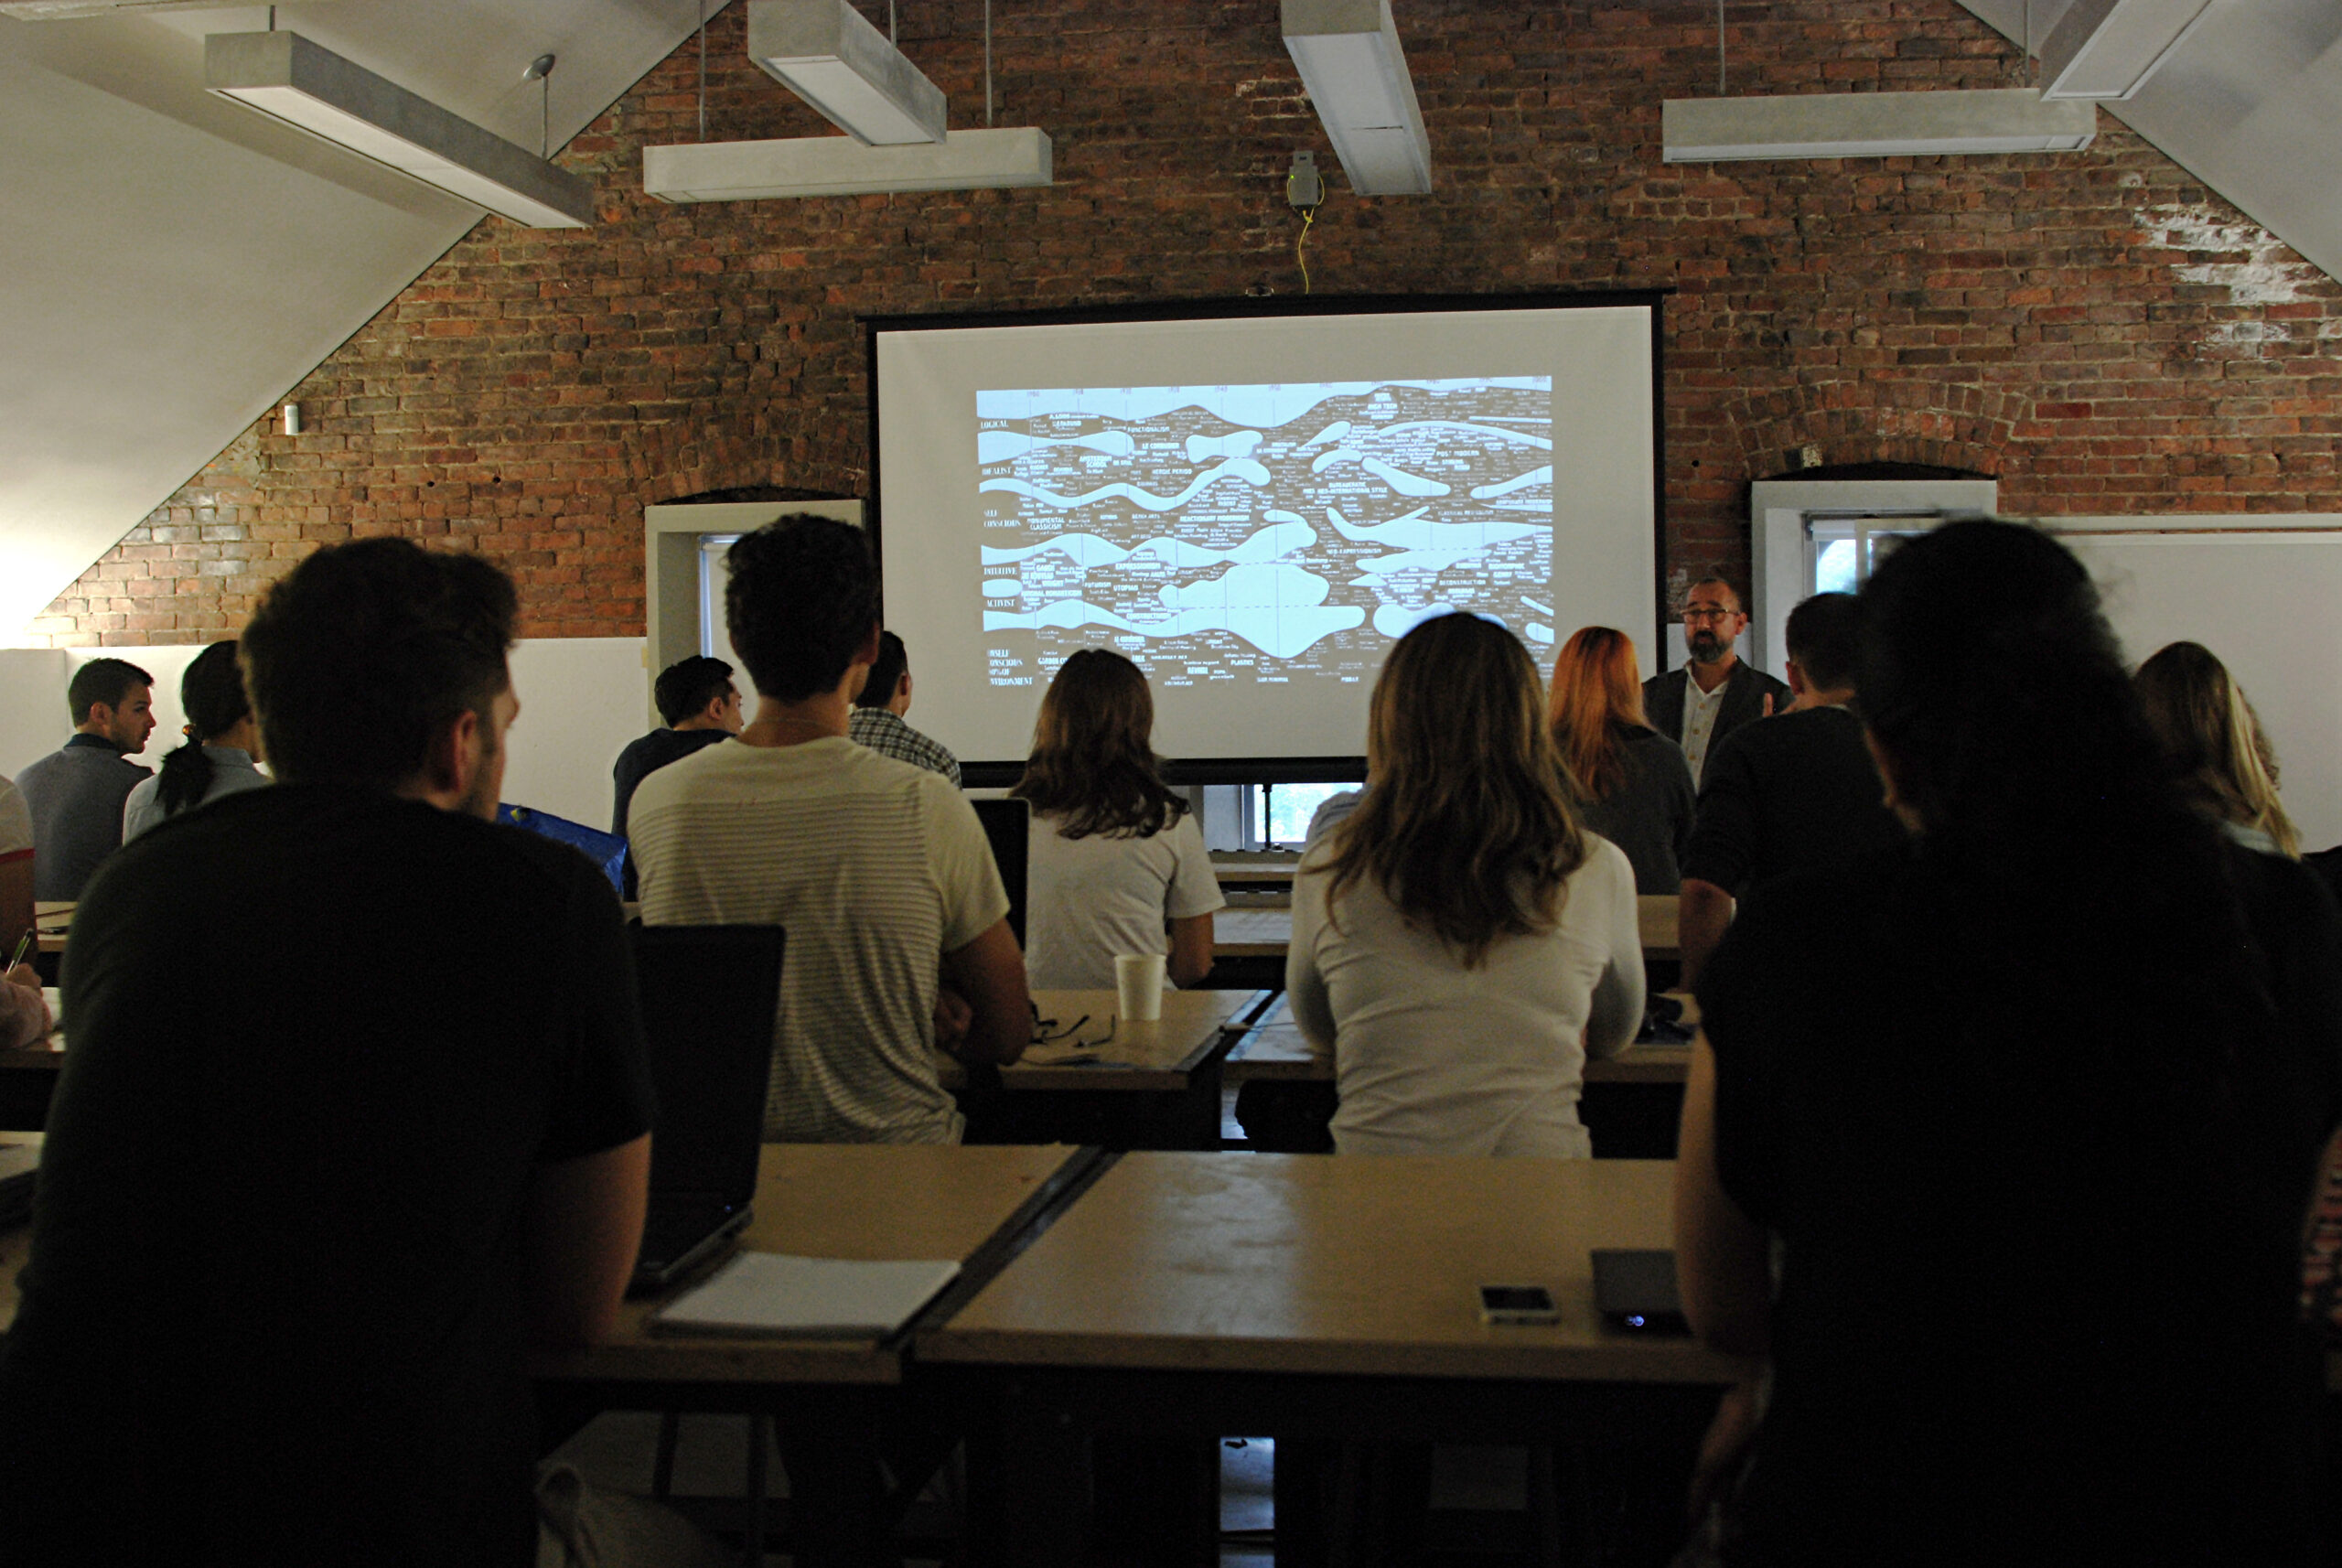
(1259, 532)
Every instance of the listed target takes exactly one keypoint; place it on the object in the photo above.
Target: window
(1285, 810)
(1847, 550)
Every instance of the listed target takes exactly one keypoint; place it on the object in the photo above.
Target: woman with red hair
(1634, 786)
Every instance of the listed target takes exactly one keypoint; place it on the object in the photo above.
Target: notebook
(775, 1294)
(708, 994)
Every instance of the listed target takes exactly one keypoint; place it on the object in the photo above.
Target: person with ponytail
(221, 748)
(1634, 786)
(1460, 944)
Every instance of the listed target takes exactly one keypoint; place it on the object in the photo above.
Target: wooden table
(1310, 1299)
(1154, 1085)
(1276, 1049)
(840, 1200)
(1267, 933)
(1163, 1054)
(51, 920)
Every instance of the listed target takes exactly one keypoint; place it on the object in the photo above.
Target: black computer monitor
(1009, 825)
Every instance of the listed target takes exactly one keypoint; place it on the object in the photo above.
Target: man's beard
(1705, 646)
(479, 800)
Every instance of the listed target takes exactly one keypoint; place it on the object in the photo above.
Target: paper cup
(1138, 979)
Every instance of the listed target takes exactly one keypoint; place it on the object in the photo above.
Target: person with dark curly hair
(879, 870)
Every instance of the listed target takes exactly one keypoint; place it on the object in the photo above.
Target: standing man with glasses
(1717, 691)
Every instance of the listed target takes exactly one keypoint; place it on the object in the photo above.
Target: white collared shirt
(1700, 709)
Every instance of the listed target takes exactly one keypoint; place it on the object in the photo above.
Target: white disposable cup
(1138, 979)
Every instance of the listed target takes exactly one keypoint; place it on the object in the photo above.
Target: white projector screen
(1253, 507)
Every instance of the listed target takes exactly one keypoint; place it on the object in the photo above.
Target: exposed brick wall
(2095, 329)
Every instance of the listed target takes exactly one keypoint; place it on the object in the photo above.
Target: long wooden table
(1310, 1299)
(1258, 931)
(1115, 1082)
(1274, 1049)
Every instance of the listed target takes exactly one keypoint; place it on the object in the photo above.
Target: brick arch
(676, 460)
(1941, 424)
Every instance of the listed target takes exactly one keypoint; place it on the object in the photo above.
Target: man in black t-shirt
(1795, 790)
(701, 705)
(356, 1109)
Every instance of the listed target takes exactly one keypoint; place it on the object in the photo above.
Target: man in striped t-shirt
(878, 871)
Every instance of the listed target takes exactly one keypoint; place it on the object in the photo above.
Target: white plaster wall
(581, 701)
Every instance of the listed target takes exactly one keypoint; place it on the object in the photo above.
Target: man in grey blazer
(1718, 692)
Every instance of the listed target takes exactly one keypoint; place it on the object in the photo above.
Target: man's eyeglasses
(1047, 1033)
(1707, 612)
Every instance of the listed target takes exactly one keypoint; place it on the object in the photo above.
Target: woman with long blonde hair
(2216, 745)
(1633, 785)
(1460, 943)
(1117, 864)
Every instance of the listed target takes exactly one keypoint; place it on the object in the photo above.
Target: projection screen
(1252, 505)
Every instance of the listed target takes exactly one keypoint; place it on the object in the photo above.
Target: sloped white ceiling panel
(2251, 105)
(171, 264)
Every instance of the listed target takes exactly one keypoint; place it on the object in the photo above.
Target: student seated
(77, 793)
(355, 1108)
(879, 870)
(15, 865)
(1460, 944)
(2216, 747)
(222, 745)
(701, 705)
(1633, 785)
(1795, 790)
(877, 720)
(1117, 858)
(1997, 1141)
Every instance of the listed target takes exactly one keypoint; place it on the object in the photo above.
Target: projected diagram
(1260, 532)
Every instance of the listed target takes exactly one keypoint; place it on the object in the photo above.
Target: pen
(17, 957)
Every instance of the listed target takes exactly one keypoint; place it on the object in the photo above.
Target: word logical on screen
(1260, 532)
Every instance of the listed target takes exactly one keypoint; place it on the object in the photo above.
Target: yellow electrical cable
(1308, 216)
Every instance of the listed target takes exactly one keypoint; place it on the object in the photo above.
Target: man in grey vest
(1717, 691)
(77, 793)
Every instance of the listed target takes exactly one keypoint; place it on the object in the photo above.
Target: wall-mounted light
(292, 419)
(1872, 125)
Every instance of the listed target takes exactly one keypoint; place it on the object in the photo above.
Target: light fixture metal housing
(1873, 125)
(833, 165)
(1355, 73)
(2108, 49)
(286, 76)
(828, 54)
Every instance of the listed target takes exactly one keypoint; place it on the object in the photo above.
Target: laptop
(1009, 825)
(708, 997)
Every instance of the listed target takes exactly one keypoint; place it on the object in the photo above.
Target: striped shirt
(884, 732)
(876, 869)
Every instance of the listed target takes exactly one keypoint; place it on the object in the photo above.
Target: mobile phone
(1517, 1304)
(1634, 1288)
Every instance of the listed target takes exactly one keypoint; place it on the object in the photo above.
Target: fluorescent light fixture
(2108, 49)
(833, 165)
(823, 51)
(66, 10)
(286, 76)
(1872, 125)
(1356, 74)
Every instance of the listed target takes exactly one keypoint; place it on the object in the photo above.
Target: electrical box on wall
(1302, 188)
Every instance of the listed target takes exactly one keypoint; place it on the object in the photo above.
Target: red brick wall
(2096, 330)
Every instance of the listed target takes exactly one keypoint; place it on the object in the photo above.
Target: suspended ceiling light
(823, 51)
(833, 165)
(287, 78)
(1356, 74)
(2108, 49)
(1873, 125)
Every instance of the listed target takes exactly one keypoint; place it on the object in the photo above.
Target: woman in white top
(222, 745)
(1460, 943)
(1118, 864)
